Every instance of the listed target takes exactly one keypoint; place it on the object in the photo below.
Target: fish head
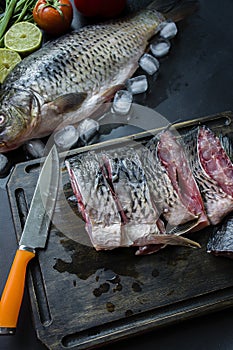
(19, 113)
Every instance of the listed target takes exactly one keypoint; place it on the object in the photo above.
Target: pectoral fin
(179, 240)
(69, 102)
(165, 240)
(170, 239)
(184, 228)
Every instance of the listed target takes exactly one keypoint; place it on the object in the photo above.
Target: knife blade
(35, 233)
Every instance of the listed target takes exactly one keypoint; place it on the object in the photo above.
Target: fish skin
(213, 171)
(69, 78)
(221, 239)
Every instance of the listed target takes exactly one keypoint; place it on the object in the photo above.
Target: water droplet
(136, 287)
(155, 273)
(103, 288)
(110, 307)
(128, 313)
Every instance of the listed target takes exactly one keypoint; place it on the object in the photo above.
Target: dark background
(195, 80)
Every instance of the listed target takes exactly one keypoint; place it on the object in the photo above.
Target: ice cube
(160, 48)
(149, 63)
(66, 137)
(35, 148)
(122, 102)
(87, 129)
(168, 30)
(137, 85)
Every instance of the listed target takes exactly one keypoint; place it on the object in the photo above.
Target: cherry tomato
(104, 8)
(53, 16)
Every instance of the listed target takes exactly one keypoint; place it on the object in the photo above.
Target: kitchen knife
(34, 236)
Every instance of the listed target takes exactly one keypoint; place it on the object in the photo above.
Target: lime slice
(23, 37)
(8, 60)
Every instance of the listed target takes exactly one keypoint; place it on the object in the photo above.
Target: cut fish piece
(213, 171)
(172, 186)
(98, 208)
(173, 158)
(127, 180)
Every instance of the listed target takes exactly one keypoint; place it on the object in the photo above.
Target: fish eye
(2, 119)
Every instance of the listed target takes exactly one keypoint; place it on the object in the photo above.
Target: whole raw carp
(69, 78)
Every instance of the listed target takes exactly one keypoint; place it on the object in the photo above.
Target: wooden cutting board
(82, 298)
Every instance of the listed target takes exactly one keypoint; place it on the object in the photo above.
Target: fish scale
(104, 41)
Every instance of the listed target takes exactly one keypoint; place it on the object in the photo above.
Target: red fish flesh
(213, 171)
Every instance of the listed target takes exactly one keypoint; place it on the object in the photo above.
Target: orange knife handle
(13, 292)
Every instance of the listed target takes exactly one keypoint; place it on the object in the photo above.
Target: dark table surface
(195, 80)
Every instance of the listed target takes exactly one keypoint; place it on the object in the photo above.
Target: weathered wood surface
(82, 298)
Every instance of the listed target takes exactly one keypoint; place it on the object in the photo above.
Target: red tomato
(104, 8)
(53, 16)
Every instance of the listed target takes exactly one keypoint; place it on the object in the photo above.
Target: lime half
(23, 37)
(8, 60)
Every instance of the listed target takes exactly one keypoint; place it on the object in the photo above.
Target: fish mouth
(15, 136)
(3, 147)
(7, 147)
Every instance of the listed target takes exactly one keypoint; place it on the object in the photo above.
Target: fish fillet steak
(172, 186)
(128, 183)
(95, 201)
(213, 171)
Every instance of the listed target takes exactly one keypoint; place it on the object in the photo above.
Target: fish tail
(175, 10)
